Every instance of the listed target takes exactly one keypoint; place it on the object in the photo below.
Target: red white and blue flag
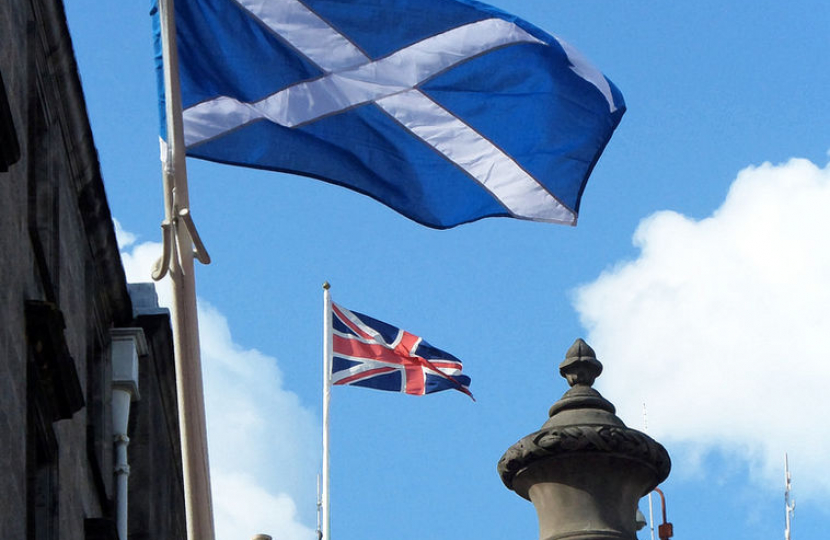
(371, 353)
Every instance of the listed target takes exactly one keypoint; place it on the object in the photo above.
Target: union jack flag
(374, 354)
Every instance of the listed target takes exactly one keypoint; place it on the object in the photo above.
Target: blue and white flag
(447, 111)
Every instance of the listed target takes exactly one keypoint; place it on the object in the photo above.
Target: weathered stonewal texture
(62, 289)
(584, 470)
(155, 450)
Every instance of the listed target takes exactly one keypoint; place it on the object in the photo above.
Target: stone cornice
(619, 441)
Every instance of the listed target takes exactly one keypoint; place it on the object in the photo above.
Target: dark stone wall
(12, 227)
(155, 450)
(62, 289)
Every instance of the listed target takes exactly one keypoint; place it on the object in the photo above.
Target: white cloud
(248, 509)
(125, 239)
(255, 425)
(722, 327)
(138, 266)
(262, 441)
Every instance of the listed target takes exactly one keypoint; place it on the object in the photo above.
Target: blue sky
(698, 272)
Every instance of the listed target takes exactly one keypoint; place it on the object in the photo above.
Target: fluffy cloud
(722, 326)
(138, 262)
(248, 509)
(258, 432)
(124, 238)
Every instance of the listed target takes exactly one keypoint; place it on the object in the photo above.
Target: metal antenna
(319, 510)
(789, 504)
(650, 502)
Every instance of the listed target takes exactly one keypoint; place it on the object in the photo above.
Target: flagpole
(179, 238)
(789, 504)
(650, 502)
(327, 356)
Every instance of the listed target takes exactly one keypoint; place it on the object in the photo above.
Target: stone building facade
(64, 303)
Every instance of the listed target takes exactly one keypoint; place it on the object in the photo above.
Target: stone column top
(583, 422)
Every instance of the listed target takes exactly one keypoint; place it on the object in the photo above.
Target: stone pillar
(584, 471)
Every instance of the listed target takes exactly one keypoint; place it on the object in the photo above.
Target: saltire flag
(371, 353)
(447, 111)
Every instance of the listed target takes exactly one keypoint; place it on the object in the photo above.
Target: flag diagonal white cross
(354, 79)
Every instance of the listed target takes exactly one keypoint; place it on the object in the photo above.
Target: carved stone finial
(580, 365)
(584, 470)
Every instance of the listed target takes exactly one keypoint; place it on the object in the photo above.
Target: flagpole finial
(326, 285)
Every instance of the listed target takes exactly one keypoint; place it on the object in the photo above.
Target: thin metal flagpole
(319, 509)
(650, 502)
(327, 356)
(789, 504)
(181, 243)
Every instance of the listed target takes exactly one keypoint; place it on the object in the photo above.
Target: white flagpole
(319, 509)
(180, 237)
(327, 356)
(650, 503)
(789, 504)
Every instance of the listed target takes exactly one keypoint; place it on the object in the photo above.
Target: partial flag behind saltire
(374, 354)
(447, 111)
